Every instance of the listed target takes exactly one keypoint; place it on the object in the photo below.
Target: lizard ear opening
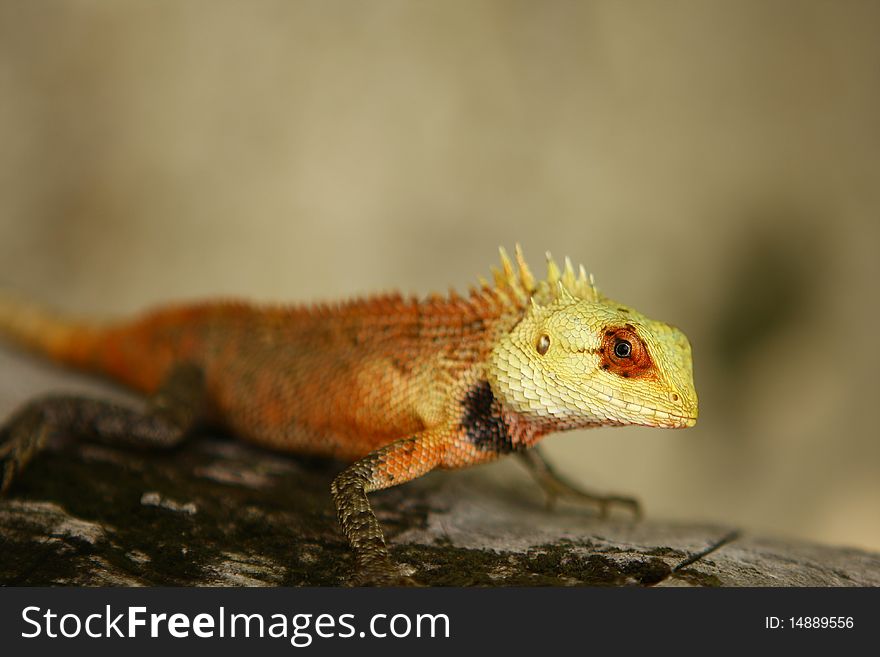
(543, 344)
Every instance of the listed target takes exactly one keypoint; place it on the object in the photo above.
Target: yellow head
(578, 358)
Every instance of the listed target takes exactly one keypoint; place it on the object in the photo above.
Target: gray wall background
(715, 164)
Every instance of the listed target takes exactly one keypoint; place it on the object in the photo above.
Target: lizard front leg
(555, 486)
(170, 414)
(393, 464)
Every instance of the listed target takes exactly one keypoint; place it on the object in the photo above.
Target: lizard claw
(631, 504)
(557, 489)
(383, 573)
(382, 580)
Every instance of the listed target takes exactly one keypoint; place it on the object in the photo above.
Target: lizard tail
(137, 351)
(61, 339)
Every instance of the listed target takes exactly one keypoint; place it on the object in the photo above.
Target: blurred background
(714, 164)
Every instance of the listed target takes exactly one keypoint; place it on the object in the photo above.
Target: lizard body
(398, 386)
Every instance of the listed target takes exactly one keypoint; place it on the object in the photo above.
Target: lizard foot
(603, 502)
(382, 573)
(555, 487)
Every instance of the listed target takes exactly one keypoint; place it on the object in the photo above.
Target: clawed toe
(382, 574)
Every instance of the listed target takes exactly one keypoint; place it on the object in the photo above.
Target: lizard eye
(624, 353)
(622, 349)
(543, 344)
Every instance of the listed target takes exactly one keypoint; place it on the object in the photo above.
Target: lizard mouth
(682, 421)
(672, 420)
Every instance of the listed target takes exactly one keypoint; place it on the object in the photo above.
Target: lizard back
(337, 380)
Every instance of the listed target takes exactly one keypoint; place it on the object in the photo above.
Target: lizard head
(577, 358)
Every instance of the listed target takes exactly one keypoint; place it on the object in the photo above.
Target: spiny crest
(519, 285)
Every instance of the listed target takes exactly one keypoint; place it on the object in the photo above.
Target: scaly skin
(398, 386)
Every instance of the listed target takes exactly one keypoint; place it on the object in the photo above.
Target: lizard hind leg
(169, 415)
(393, 464)
(555, 487)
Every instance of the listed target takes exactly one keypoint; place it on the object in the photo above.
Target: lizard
(396, 386)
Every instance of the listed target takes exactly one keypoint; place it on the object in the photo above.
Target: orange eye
(624, 353)
(543, 344)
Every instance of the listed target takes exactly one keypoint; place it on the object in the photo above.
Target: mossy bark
(216, 512)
